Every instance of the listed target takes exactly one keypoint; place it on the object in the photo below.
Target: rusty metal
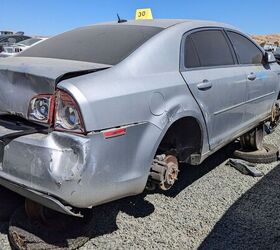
(275, 118)
(275, 113)
(164, 171)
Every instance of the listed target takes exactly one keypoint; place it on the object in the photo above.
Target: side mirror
(269, 57)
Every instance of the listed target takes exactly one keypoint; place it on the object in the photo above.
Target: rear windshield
(106, 44)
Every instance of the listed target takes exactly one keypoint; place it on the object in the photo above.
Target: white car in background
(21, 46)
(6, 32)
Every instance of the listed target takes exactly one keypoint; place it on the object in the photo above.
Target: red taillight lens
(67, 114)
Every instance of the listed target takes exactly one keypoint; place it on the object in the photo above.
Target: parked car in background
(21, 46)
(277, 54)
(5, 32)
(8, 40)
(96, 114)
(270, 47)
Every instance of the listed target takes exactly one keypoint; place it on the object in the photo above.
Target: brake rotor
(171, 172)
(164, 171)
(275, 113)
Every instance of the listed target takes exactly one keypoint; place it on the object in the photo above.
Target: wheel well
(183, 138)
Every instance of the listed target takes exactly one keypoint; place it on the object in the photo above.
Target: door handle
(252, 76)
(204, 85)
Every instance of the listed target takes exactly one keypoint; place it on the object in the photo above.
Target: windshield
(29, 42)
(106, 44)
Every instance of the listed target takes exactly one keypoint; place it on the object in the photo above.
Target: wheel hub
(164, 171)
(275, 113)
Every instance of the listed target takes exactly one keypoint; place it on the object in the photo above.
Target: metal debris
(245, 167)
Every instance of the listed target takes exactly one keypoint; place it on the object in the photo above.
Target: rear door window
(212, 48)
(247, 52)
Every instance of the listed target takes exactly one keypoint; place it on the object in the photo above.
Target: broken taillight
(41, 108)
(59, 110)
(67, 114)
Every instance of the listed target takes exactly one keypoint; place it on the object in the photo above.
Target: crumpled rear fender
(81, 171)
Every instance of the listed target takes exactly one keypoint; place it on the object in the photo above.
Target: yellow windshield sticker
(143, 14)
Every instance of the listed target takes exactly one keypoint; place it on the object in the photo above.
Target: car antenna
(121, 20)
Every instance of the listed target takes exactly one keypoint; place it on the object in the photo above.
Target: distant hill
(268, 39)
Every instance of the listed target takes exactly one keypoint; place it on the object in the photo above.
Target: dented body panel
(22, 78)
(145, 94)
(80, 171)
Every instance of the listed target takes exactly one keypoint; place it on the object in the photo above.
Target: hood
(22, 78)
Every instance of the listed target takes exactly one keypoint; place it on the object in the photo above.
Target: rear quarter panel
(145, 87)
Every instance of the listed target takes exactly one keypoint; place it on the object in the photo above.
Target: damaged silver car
(98, 113)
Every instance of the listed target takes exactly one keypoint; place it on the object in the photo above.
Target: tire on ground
(268, 154)
(32, 235)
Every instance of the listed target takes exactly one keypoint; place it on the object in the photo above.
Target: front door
(261, 80)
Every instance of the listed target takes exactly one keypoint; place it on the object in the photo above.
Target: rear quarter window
(190, 56)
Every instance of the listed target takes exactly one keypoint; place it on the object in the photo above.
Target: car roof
(166, 23)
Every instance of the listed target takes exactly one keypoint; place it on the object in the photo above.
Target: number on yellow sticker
(143, 14)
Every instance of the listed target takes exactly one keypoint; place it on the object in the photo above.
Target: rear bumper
(44, 199)
(62, 170)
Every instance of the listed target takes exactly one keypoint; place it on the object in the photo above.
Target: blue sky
(49, 17)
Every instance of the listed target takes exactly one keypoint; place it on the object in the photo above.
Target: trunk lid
(21, 78)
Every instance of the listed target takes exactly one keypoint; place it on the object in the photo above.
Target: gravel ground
(212, 206)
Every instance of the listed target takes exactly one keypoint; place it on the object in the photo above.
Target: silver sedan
(101, 112)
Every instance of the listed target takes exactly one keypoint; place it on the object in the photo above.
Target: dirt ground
(212, 206)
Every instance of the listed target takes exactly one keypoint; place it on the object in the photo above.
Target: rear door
(262, 81)
(210, 69)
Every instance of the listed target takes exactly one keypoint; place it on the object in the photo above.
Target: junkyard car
(14, 49)
(94, 114)
(277, 54)
(6, 32)
(7, 40)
